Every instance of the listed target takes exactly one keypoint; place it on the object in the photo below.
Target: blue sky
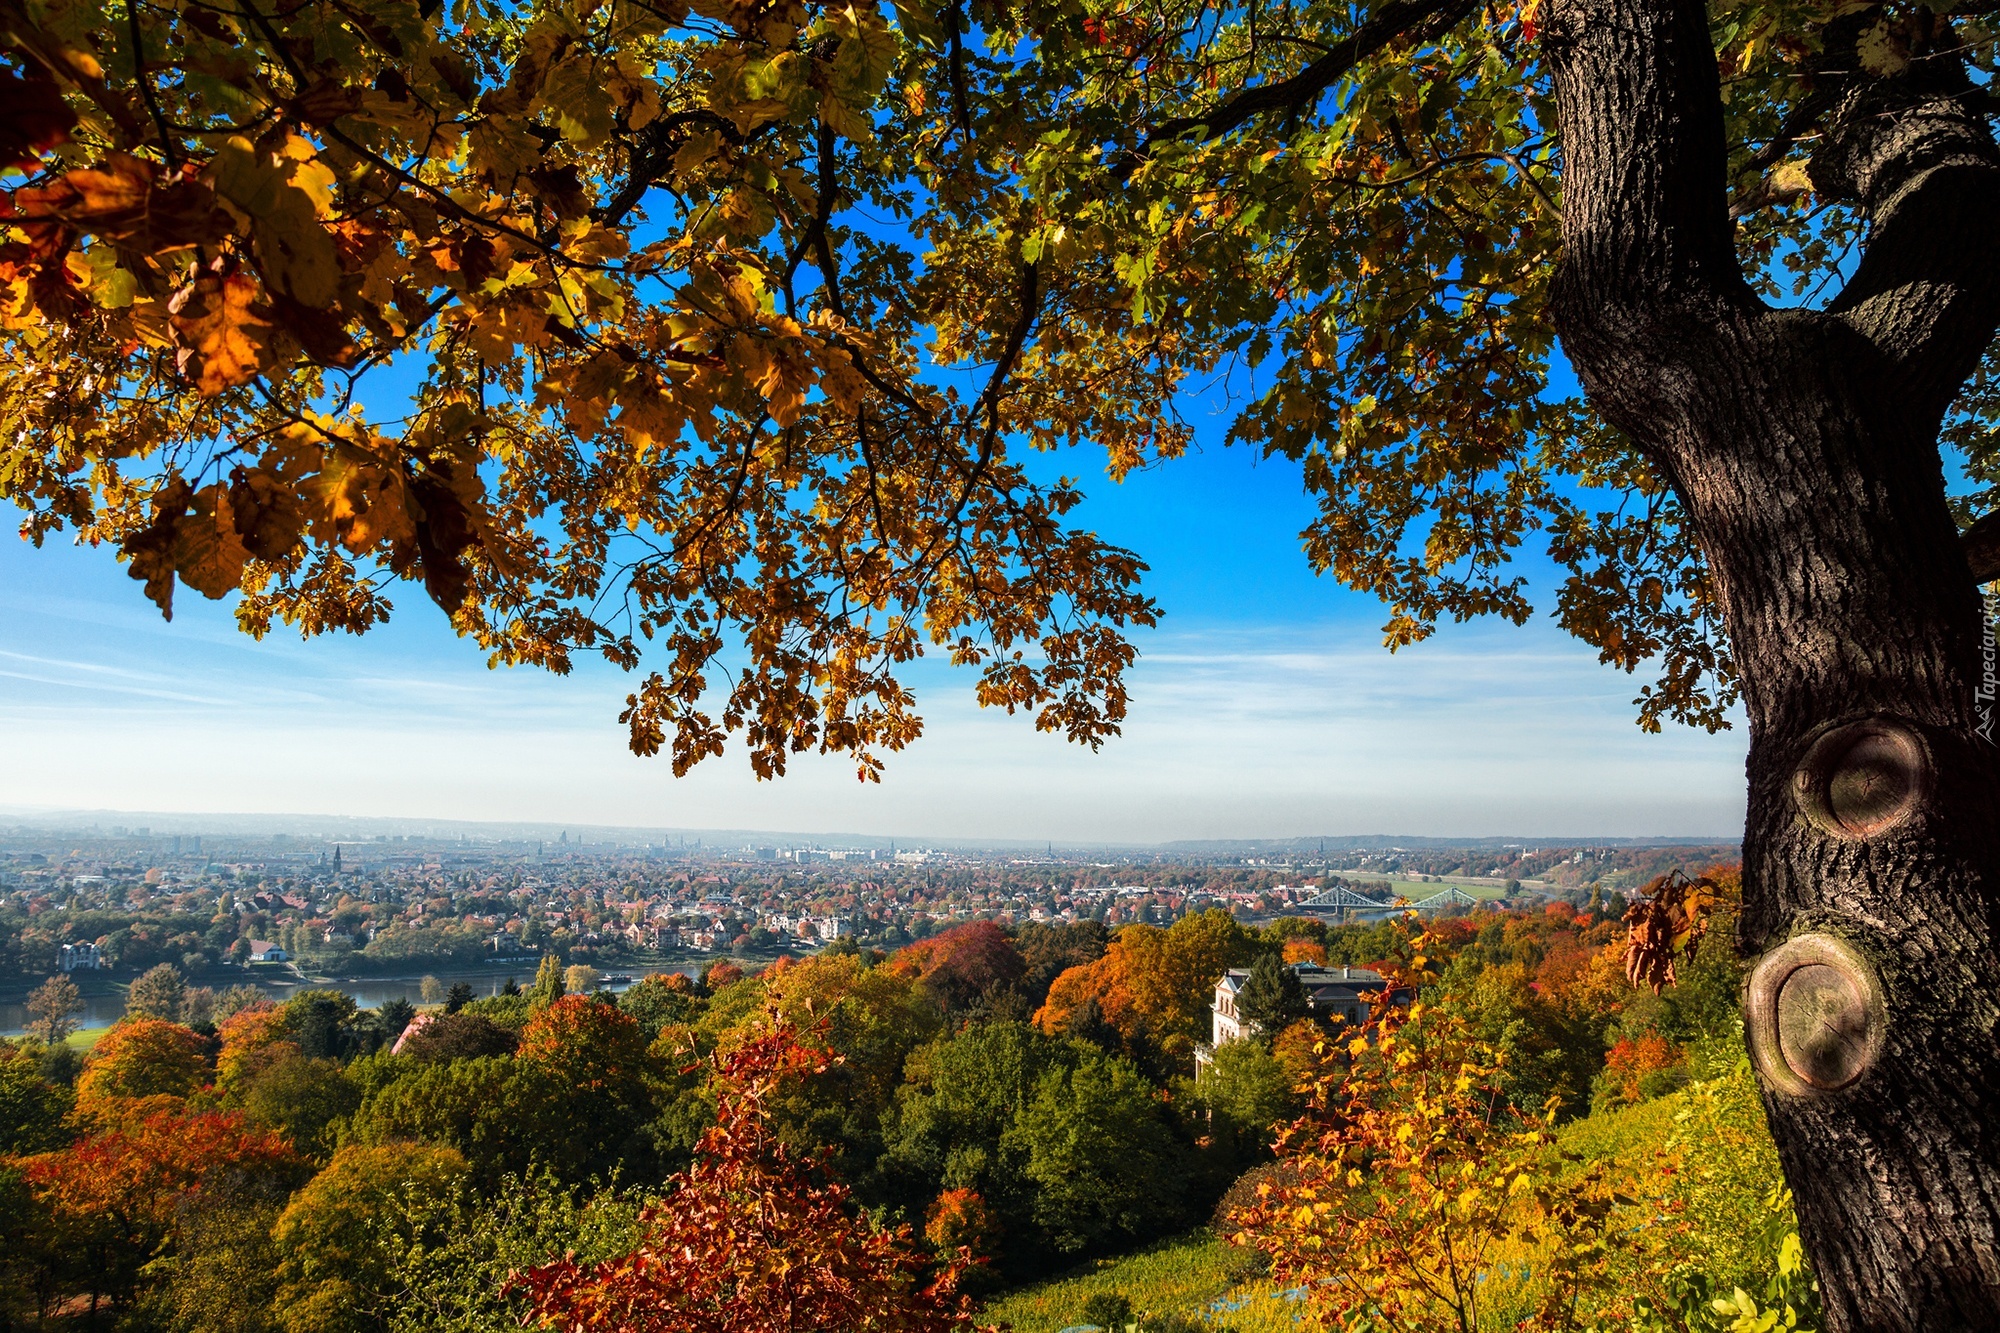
(1264, 706)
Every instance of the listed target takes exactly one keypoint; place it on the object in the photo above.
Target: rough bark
(1804, 446)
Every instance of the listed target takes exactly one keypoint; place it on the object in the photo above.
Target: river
(101, 1011)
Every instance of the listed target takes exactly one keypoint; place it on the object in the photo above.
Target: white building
(85, 957)
(1331, 993)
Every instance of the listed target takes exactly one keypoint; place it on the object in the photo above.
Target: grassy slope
(1195, 1275)
(1200, 1276)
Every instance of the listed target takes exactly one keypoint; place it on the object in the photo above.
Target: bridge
(1340, 898)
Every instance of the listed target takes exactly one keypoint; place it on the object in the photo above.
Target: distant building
(263, 951)
(1331, 992)
(416, 1025)
(81, 957)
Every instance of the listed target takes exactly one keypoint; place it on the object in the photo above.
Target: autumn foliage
(755, 1237)
(1630, 1059)
(253, 1038)
(1153, 984)
(585, 1043)
(142, 1059)
(1410, 1172)
(963, 964)
(112, 1199)
(1666, 922)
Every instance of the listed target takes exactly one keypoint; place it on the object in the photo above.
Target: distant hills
(1372, 842)
(365, 828)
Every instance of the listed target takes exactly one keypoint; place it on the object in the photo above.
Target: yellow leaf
(223, 341)
(208, 554)
(282, 199)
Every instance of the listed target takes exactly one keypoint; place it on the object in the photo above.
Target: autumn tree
(1153, 985)
(113, 1199)
(965, 965)
(253, 1038)
(159, 992)
(142, 1064)
(53, 1007)
(754, 1236)
(673, 286)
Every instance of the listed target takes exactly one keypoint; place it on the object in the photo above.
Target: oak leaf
(282, 198)
(150, 551)
(209, 555)
(266, 513)
(221, 332)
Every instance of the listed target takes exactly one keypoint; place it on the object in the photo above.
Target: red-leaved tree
(755, 1237)
(110, 1202)
(963, 965)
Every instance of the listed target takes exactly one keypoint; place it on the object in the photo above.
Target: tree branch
(1418, 20)
(1982, 548)
(1649, 252)
(1923, 166)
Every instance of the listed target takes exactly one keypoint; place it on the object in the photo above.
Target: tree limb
(1649, 250)
(1922, 164)
(1418, 20)
(1982, 548)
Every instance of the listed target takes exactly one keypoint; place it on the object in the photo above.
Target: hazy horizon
(327, 825)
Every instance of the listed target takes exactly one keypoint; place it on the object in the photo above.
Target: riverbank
(104, 992)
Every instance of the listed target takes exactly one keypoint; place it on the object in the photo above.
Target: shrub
(1108, 1310)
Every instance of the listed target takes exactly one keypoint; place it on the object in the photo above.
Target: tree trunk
(1804, 447)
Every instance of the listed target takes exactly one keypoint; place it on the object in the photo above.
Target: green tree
(431, 990)
(1245, 1093)
(1272, 997)
(950, 1126)
(452, 1255)
(328, 1025)
(394, 1016)
(549, 984)
(657, 1001)
(335, 1256)
(220, 1273)
(303, 1098)
(158, 993)
(461, 1036)
(31, 1106)
(235, 1000)
(503, 1115)
(1106, 1164)
(53, 1007)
